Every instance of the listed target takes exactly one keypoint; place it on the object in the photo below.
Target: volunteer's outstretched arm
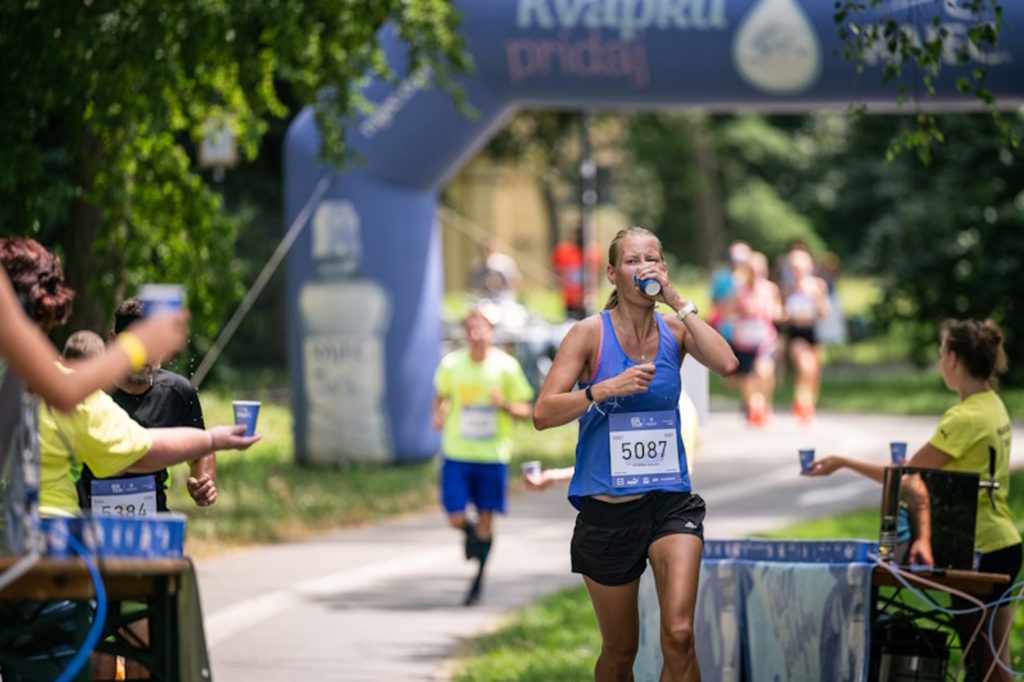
(31, 355)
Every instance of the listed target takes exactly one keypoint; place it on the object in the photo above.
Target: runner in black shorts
(631, 482)
(610, 541)
(745, 360)
(805, 302)
(800, 332)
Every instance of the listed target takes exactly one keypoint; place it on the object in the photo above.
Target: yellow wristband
(133, 348)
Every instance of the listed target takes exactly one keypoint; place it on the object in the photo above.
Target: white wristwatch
(686, 310)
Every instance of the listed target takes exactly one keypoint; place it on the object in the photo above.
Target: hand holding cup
(806, 460)
(231, 437)
(533, 478)
(246, 413)
(898, 452)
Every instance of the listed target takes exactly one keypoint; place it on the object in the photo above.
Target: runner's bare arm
(558, 403)
(707, 346)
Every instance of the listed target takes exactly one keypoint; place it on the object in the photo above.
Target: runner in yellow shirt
(480, 390)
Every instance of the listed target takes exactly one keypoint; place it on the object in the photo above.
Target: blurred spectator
(783, 269)
(494, 274)
(82, 345)
(723, 295)
(831, 328)
(567, 262)
(576, 273)
(758, 305)
(805, 302)
(724, 282)
(739, 253)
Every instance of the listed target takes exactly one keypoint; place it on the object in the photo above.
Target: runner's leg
(675, 560)
(619, 623)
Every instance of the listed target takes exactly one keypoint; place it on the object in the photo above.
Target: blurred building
(486, 200)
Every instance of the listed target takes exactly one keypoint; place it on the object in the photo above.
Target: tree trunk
(85, 219)
(80, 269)
(710, 220)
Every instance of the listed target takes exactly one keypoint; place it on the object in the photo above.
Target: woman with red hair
(42, 296)
(94, 430)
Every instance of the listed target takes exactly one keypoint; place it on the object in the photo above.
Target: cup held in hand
(246, 412)
(898, 450)
(806, 459)
(157, 298)
(531, 468)
(650, 286)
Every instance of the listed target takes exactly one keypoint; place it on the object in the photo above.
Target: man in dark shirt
(154, 398)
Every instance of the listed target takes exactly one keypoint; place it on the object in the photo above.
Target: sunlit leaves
(912, 58)
(107, 99)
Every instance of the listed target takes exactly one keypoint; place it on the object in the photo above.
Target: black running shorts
(610, 542)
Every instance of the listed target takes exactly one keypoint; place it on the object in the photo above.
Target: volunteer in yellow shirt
(95, 430)
(970, 356)
(102, 435)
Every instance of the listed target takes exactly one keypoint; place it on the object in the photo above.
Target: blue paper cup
(157, 298)
(246, 412)
(649, 286)
(806, 459)
(898, 450)
(531, 468)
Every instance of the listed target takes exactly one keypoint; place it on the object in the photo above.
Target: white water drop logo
(776, 49)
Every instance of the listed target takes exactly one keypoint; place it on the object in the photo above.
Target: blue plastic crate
(160, 535)
(801, 551)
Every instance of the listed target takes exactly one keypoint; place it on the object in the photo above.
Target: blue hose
(1005, 599)
(91, 639)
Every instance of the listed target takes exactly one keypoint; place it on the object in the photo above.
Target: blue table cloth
(773, 611)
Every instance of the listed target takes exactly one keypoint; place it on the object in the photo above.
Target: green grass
(554, 639)
(561, 629)
(263, 496)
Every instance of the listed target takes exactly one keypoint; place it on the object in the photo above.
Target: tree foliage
(752, 170)
(104, 102)
(913, 59)
(660, 187)
(948, 239)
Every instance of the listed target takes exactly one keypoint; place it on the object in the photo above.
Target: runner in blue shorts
(631, 484)
(479, 391)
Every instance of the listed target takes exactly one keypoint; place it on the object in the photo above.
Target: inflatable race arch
(364, 282)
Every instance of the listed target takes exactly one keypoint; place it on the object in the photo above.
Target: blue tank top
(638, 427)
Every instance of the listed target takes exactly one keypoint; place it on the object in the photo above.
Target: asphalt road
(383, 602)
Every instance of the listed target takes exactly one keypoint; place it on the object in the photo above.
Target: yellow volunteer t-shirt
(474, 430)
(965, 433)
(97, 432)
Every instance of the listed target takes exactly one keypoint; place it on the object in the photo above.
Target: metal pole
(261, 281)
(588, 203)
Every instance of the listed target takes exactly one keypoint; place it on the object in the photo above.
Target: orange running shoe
(756, 415)
(804, 411)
